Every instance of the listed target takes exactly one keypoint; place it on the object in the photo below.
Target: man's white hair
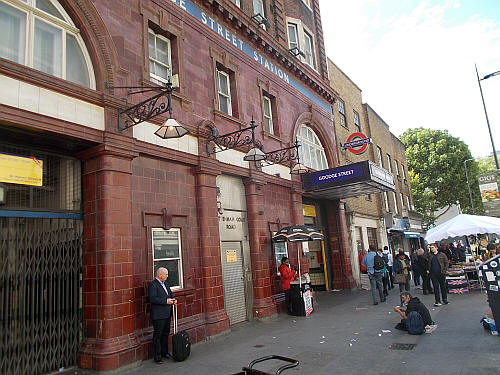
(161, 270)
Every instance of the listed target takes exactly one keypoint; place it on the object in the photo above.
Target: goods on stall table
(457, 284)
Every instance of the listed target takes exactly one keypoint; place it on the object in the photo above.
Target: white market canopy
(463, 225)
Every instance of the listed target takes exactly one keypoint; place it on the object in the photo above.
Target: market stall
(301, 299)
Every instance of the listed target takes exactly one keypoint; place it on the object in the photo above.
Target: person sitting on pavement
(410, 304)
(374, 275)
(287, 275)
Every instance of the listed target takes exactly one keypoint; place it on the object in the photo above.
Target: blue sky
(414, 61)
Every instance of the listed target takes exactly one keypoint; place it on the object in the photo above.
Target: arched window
(41, 35)
(312, 153)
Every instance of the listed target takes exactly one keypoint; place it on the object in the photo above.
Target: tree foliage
(437, 172)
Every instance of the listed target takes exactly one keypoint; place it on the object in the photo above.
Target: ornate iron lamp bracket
(282, 155)
(218, 143)
(147, 109)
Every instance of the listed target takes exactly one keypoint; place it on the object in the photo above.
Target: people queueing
(423, 258)
(402, 266)
(287, 275)
(375, 275)
(438, 265)
(389, 262)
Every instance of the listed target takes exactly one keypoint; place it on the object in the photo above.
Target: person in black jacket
(412, 304)
(161, 299)
(423, 264)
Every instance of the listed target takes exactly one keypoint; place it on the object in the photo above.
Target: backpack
(415, 323)
(378, 263)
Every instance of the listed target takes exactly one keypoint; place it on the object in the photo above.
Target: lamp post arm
(487, 120)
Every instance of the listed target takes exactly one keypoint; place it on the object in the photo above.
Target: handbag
(400, 278)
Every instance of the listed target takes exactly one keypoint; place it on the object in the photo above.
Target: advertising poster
(308, 307)
(488, 185)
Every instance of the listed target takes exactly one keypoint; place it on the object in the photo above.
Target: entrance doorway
(233, 281)
(41, 257)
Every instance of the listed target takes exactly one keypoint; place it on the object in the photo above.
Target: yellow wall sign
(309, 210)
(23, 170)
(231, 256)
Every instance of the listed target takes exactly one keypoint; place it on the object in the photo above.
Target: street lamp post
(486, 113)
(468, 185)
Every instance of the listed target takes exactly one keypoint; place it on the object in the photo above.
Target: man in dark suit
(161, 299)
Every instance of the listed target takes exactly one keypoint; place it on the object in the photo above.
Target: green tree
(486, 165)
(437, 172)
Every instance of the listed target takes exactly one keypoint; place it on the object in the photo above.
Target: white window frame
(295, 28)
(179, 258)
(225, 95)
(386, 201)
(389, 163)
(259, 8)
(309, 49)
(237, 3)
(300, 33)
(268, 117)
(402, 201)
(67, 26)
(156, 78)
(307, 3)
(357, 124)
(341, 108)
(396, 211)
(379, 154)
(404, 173)
(396, 167)
(310, 149)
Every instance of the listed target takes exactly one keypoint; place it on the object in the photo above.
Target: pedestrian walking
(385, 276)
(374, 269)
(438, 266)
(389, 262)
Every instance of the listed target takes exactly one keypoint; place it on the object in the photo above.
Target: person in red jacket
(287, 275)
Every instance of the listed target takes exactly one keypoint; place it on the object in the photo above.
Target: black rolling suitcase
(181, 346)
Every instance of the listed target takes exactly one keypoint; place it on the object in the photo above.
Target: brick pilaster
(108, 295)
(263, 305)
(216, 317)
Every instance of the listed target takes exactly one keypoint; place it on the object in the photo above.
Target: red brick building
(96, 209)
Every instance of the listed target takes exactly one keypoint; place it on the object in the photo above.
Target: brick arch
(307, 118)
(99, 44)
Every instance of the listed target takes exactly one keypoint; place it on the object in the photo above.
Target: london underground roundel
(357, 143)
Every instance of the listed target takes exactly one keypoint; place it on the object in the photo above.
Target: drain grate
(258, 346)
(400, 346)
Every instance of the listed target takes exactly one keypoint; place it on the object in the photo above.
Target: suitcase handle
(175, 318)
(291, 363)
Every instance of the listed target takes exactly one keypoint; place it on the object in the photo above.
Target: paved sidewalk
(344, 336)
